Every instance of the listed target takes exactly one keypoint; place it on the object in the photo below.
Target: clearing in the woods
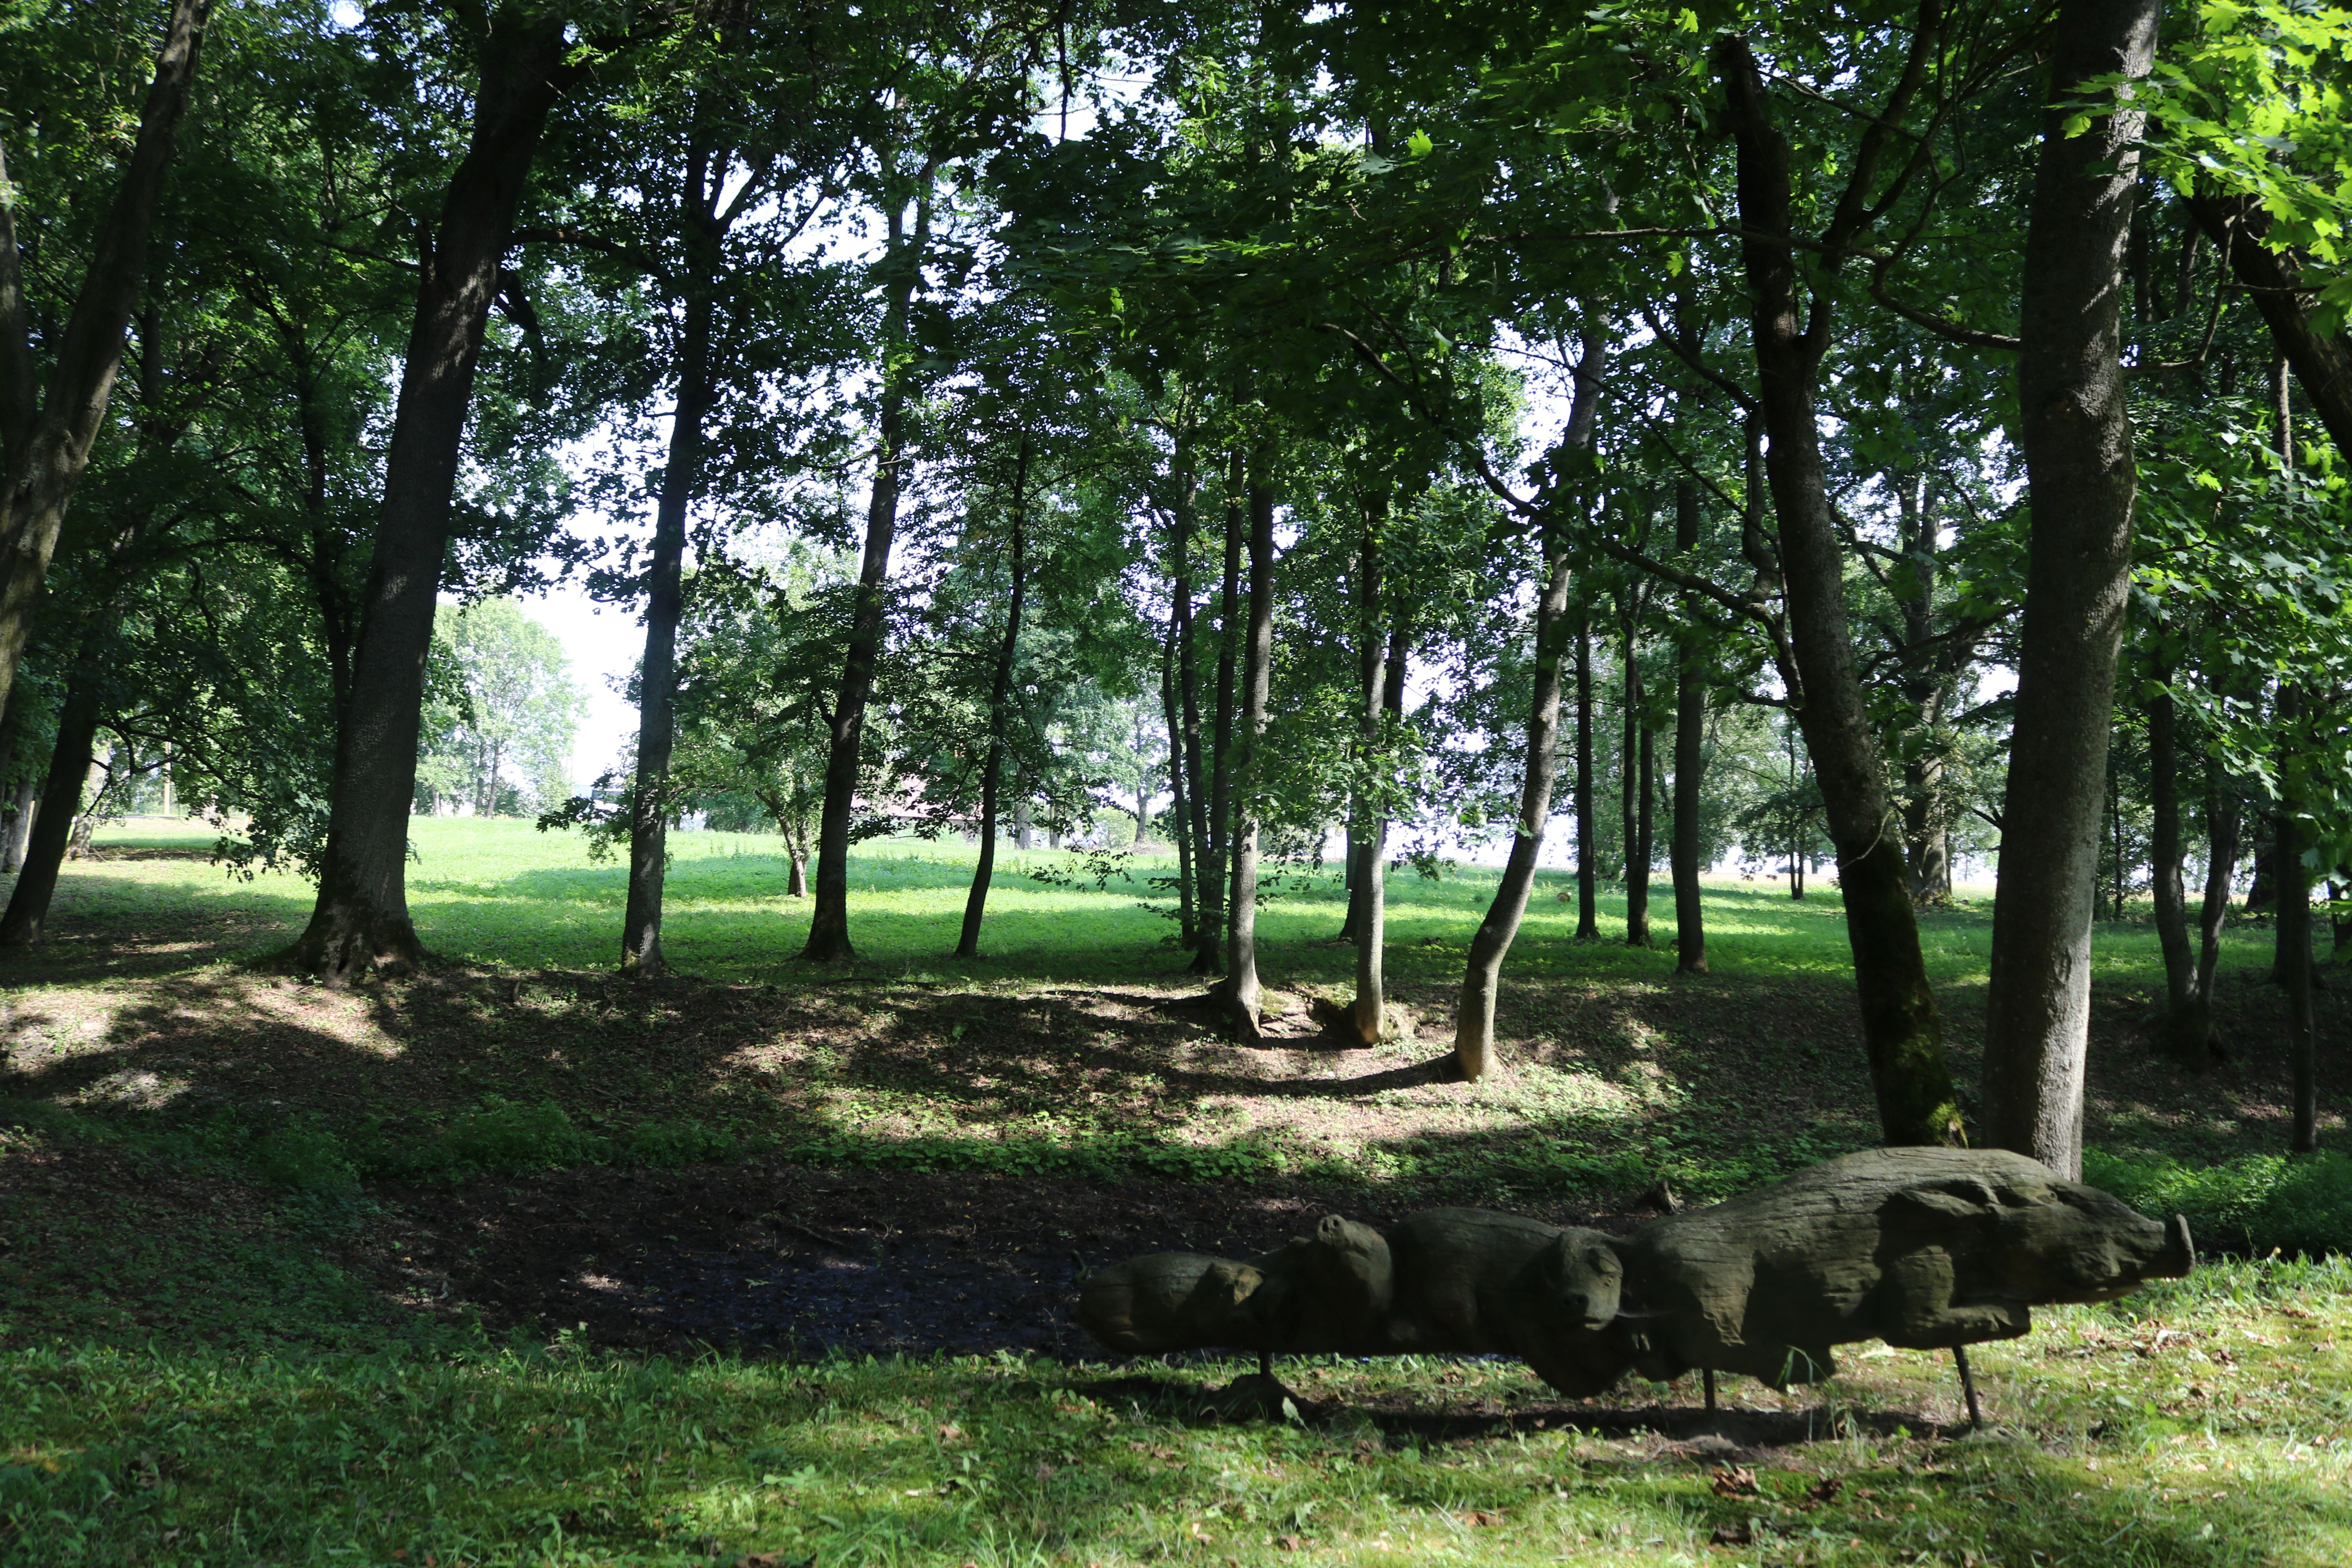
(518, 1262)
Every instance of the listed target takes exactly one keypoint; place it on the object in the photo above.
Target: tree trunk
(1214, 910)
(649, 799)
(2075, 429)
(1901, 1031)
(1180, 818)
(1368, 844)
(44, 850)
(1188, 696)
(2165, 888)
(46, 450)
(1588, 824)
(796, 882)
(1641, 782)
(1473, 1016)
(20, 826)
(2197, 1034)
(1000, 707)
(361, 918)
(1241, 989)
(1690, 758)
(828, 938)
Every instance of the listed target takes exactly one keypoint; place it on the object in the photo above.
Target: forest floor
(515, 1262)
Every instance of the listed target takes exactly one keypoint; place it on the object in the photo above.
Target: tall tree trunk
(1628, 755)
(828, 938)
(649, 798)
(2198, 1035)
(1187, 697)
(1368, 844)
(1000, 706)
(1241, 990)
(1690, 756)
(2165, 888)
(361, 918)
(796, 874)
(1213, 900)
(1645, 844)
(1640, 778)
(1901, 1031)
(44, 850)
(46, 448)
(1473, 1016)
(1588, 824)
(1180, 816)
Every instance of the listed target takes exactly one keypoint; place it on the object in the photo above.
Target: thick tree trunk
(2165, 852)
(1901, 1031)
(1213, 900)
(44, 850)
(649, 796)
(828, 938)
(361, 918)
(1474, 1016)
(999, 707)
(1241, 990)
(796, 877)
(46, 450)
(2075, 429)
(1588, 824)
(1690, 758)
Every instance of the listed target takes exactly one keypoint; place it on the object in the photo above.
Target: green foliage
(2253, 1204)
(500, 1135)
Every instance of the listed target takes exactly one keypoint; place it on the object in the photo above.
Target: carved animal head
(1582, 1279)
(1172, 1300)
(2048, 1241)
(1350, 1267)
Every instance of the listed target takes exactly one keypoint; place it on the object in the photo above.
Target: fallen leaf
(1734, 1480)
(1826, 1490)
(950, 1433)
(1290, 1542)
(1479, 1518)
(1738, 1533)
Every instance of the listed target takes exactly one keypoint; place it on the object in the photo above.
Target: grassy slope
(192, 1380)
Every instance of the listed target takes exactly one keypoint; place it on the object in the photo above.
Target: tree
(503, 747)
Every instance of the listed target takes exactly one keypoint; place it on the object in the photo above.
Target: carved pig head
(1580, 1280)
(2048, 1240)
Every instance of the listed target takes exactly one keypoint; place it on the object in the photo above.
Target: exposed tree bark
(649, 796)
(1690, 758)
(1474, 1016)
(1639, 766)
(2197, 1032)
(1901, 1031)
(1213, 900)
(797, 875)
(47, 450)
(2075, 429)
(1241, 990)
(1587, 825)
(2322, 361)
(1927, 686)
(828, 938)
(361, 918)
(1000, 707)
(1187, 697)
(45, 849)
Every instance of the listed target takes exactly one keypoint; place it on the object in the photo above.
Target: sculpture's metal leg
(1708, 1373)
(1967, 1386)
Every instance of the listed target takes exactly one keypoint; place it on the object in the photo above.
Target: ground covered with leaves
(515, 1262)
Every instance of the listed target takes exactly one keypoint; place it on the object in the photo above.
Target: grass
(215, 1350)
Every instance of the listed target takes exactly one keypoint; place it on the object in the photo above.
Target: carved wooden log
(1926, 1249)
